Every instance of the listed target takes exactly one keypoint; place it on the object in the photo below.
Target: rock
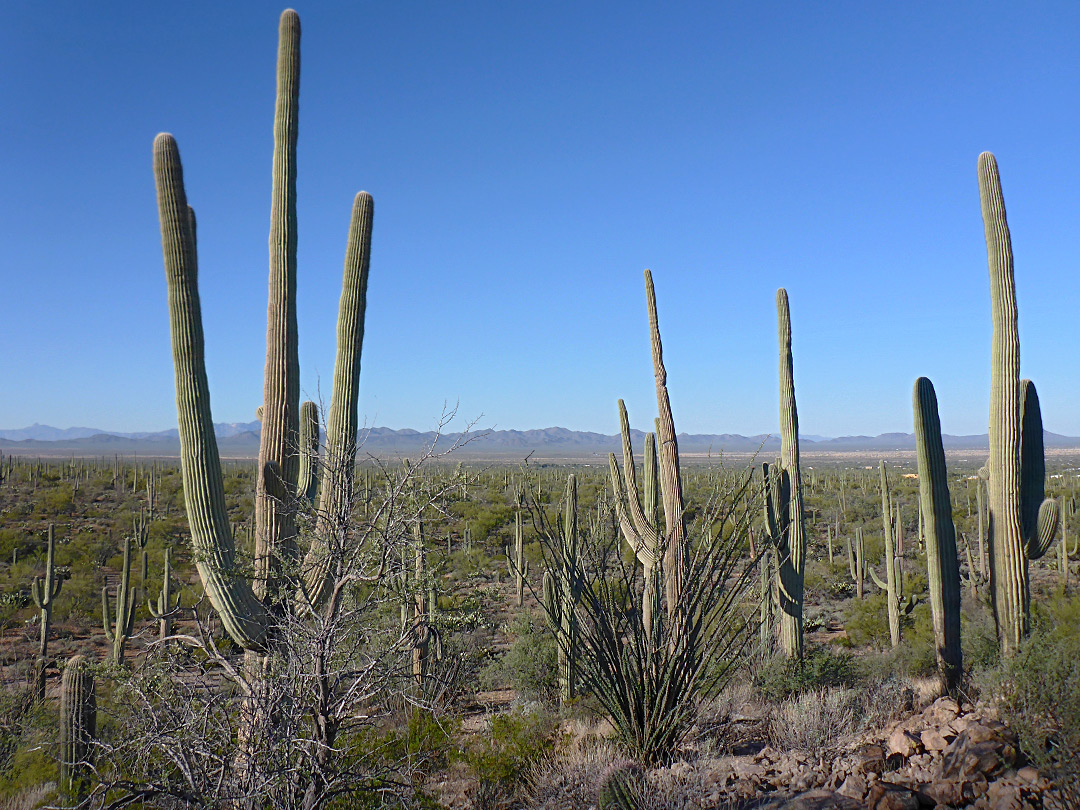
(903, 743)
(812, 800)
(934, 740)
(1028, 774)
(887, 796)
(869, 759)
(854, 787)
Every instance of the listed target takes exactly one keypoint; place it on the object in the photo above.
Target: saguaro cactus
(44, 592)
(308, 483)
(644, 535)
(942, 567)
(78, 724)
(1022, 523)
(562, 592)
(890, 584)
(786, 523)
(166, 606)
(117, 631)
(244, 613)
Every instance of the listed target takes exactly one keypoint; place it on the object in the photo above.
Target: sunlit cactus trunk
(44, 591)
(78, 725)
(942, 566)
(1022, 523)
(892, 600)
(791, 548)
(118, 631)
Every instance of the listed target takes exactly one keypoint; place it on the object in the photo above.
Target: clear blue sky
(528, 161)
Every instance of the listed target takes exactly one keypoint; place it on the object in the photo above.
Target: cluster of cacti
(893, 578)
(942, 568)
(562, 593)
(783, 499)
(246, 607)
(44, 591)
(117, 630)
(1022, 522)
(78, 724)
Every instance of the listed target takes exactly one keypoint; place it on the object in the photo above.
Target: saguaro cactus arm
(1038, 515)
(342, 424)
(943, 569)
(243, 615)
(308, 482)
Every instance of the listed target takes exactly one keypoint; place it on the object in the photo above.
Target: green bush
(821, 668)
(529, 665)
(1038, 693)
(516, 742)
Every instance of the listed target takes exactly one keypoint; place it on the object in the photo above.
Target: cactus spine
(78, 724)
(166, 607)
(44, 592)
(943, 569)
(786, 522)
(118, 630)
(1022, 524)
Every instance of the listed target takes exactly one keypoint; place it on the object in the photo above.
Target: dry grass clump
(816, 721)
(570, 778)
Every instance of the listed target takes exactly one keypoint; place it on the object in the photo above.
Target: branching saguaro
(1022, 523)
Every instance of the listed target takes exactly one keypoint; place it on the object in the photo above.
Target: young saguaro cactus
(166, 607)
(942, 567)
(44, 592)
(245, 607)
(78, 725)
(1022, 523)
(117, 631)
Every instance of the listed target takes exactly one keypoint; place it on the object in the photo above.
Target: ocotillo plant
(117, 631)
(78, 725)
(246, 608)
(788, 531)
(1022, 523)
(166, 607)
(942, 568)
(44, 592)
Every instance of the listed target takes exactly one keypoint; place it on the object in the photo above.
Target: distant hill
(241, 440)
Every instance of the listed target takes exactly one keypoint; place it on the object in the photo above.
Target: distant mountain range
(241, 440)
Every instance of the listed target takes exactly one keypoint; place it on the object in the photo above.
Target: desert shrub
(822, 667)
(570, 777)
(815, 720)
(516, 741)
(867, 621)
(1038, 695)
(529, 665)
(978, 637)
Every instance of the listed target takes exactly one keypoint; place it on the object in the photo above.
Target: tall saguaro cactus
(246, 607)
(562, 592)
(942, 566)
(78, 724)
(44, 592)
(279, 459)
(166, 608)
(791, 542)
(308, 482)
(1022, 524)
(891, 591)
(641, 527)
